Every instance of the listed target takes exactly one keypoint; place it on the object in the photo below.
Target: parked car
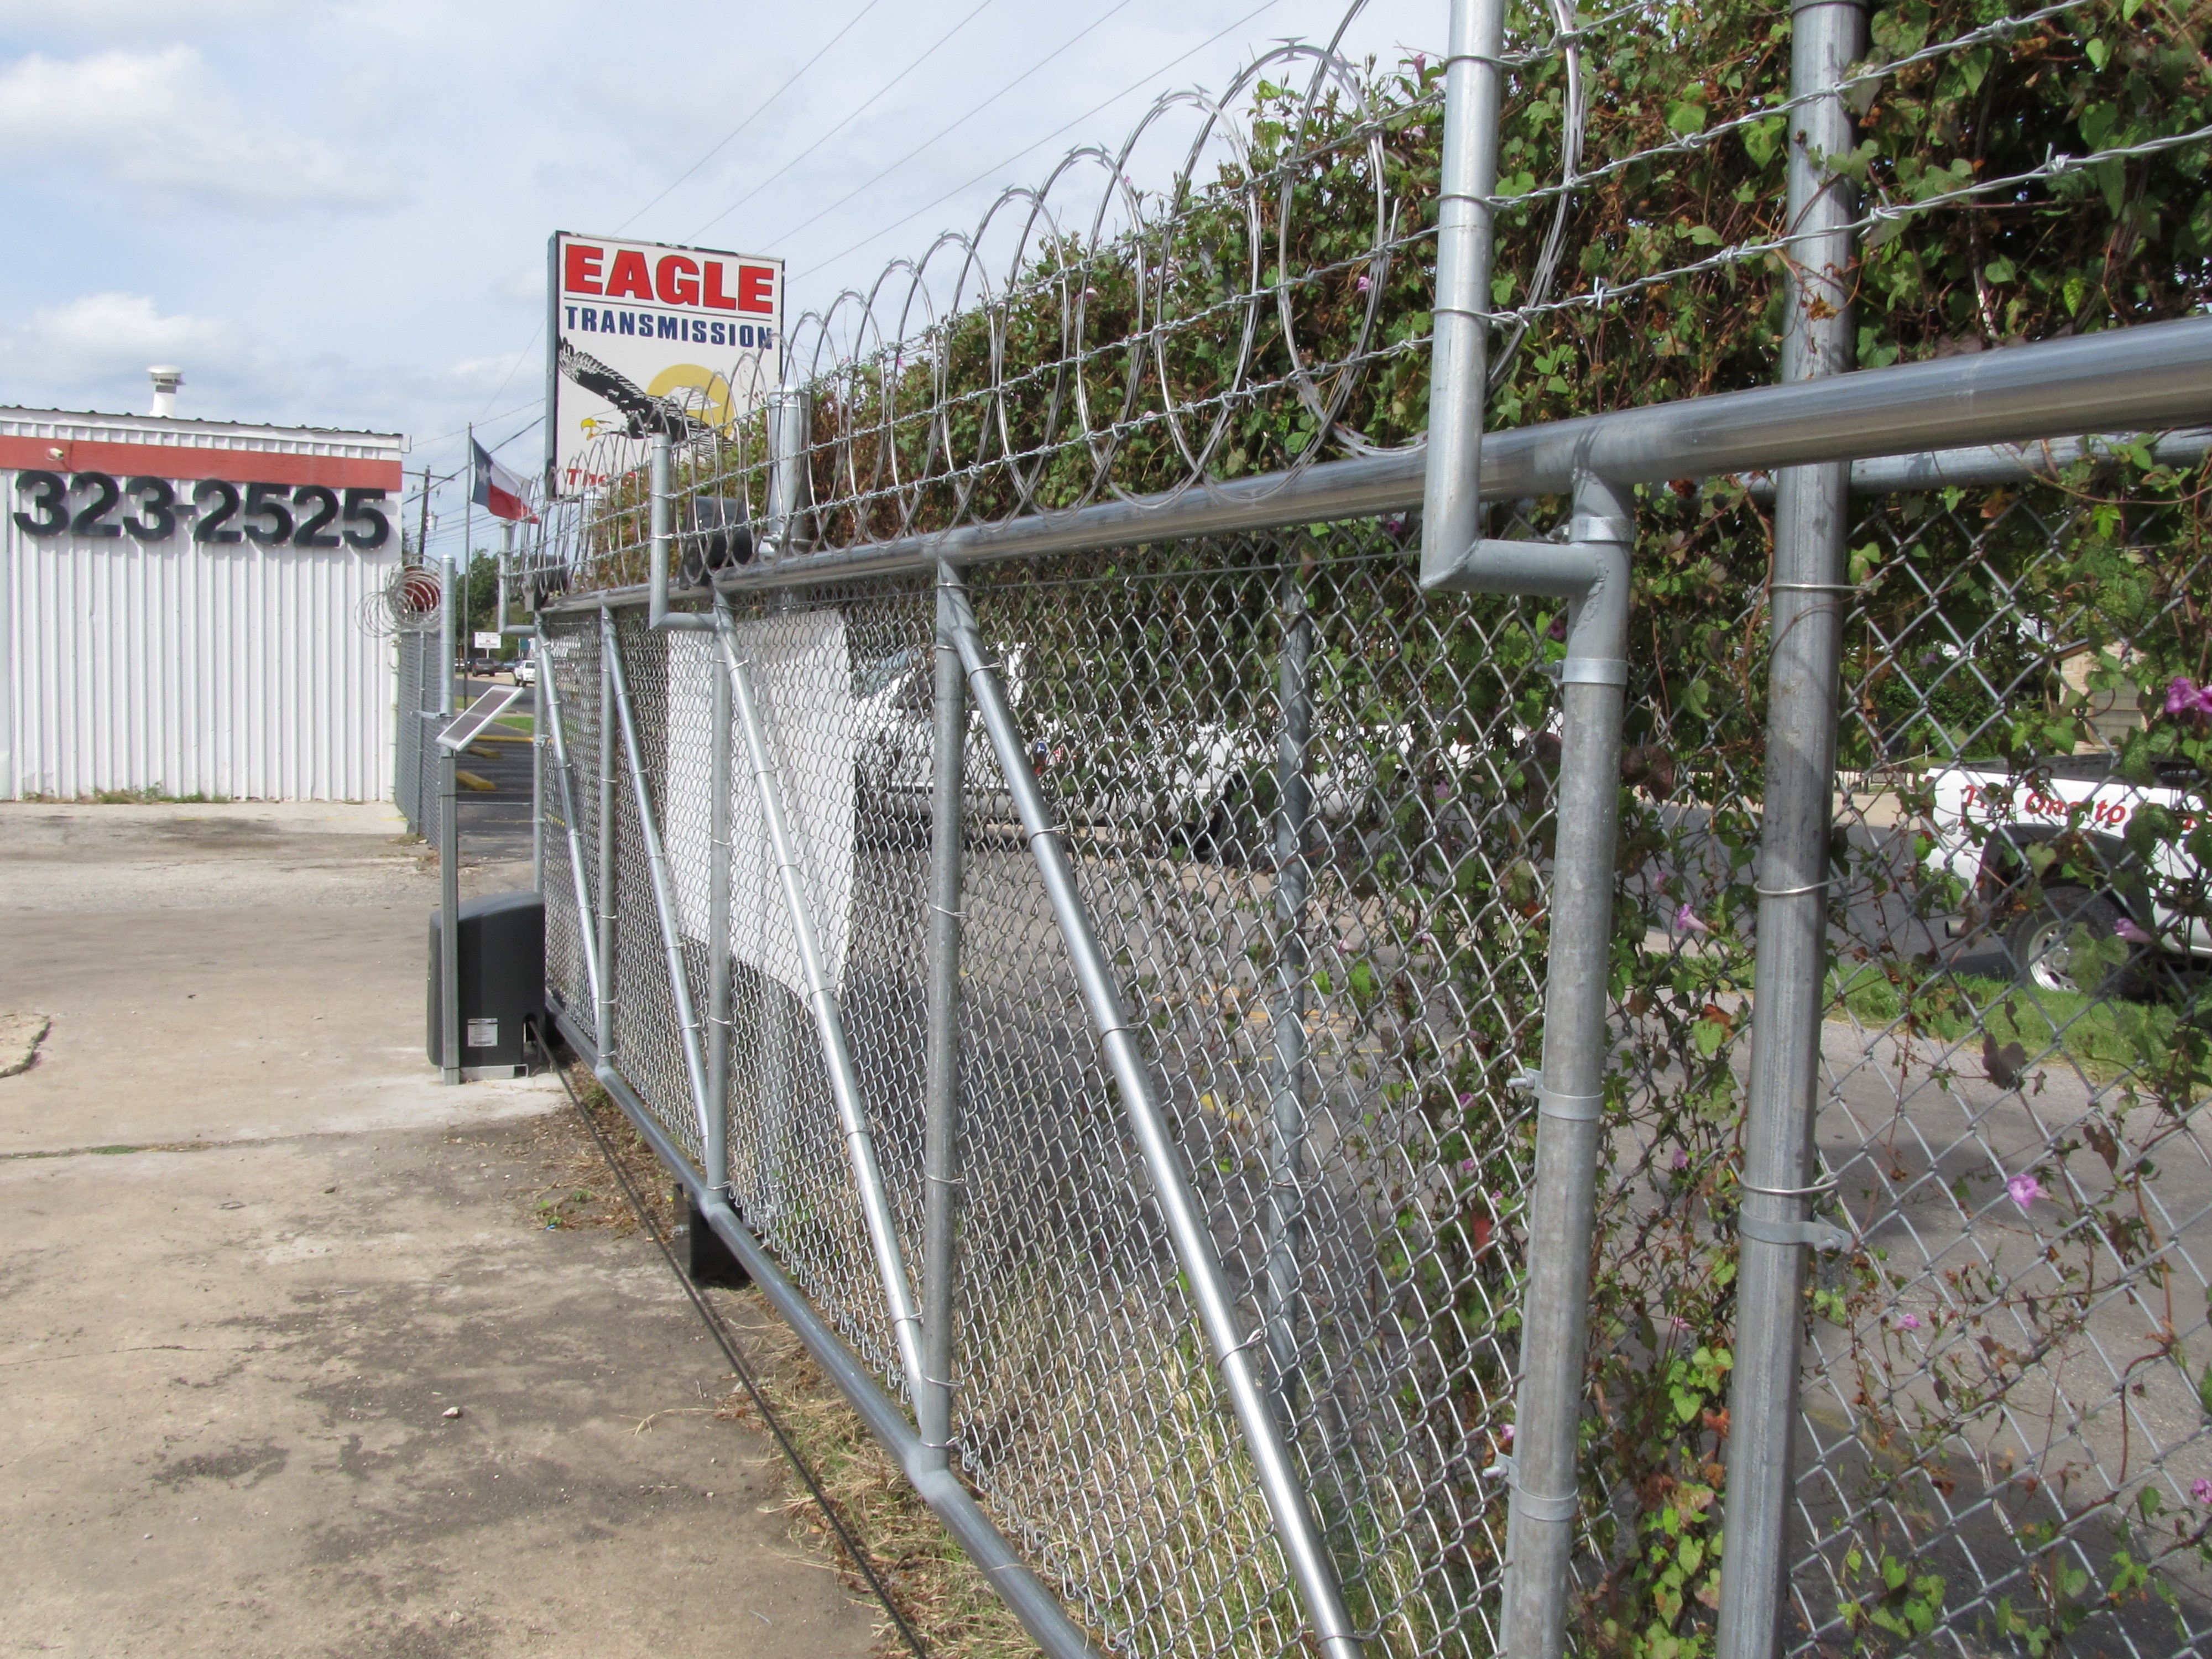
(525, 670)
(1198, 776)
(2045, 853)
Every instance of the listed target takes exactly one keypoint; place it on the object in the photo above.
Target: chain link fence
(1307, 808)
(2004, 1444)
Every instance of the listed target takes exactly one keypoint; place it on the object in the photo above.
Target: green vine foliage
(1277, 314)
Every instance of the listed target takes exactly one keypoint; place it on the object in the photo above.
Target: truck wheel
(2041, 943)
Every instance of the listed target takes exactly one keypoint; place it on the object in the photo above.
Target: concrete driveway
(290, 1367)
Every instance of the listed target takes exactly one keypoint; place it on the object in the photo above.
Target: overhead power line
(1094, 23)
(1001, 166)
(719, 145)
(859, 108)
(759, 109)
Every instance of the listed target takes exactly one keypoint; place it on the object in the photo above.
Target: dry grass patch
(937, 1589)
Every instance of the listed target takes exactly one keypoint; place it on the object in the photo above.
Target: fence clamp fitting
(1589, 670)
(1553, 1507)
(1590, 527)
(1570, 1109)
(1819, 1235)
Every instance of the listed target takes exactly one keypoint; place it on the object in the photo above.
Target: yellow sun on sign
(712, 404)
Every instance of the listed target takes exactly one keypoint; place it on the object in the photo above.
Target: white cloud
(130, 19)
(93, 351)
(159, 124)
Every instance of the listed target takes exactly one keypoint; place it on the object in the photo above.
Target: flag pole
(468, 546)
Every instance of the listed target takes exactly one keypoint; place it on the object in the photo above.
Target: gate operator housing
(503, 962)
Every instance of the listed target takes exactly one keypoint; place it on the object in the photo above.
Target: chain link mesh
(2008, 1369)
(2003, 1437)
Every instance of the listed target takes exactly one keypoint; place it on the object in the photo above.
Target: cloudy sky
(336, 214)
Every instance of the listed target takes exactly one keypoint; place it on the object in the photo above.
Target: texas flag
(497, 490)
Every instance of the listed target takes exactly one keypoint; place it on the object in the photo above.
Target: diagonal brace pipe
(1311, 1566)
(829, 1019)
(565, 772)
(664, 887)
(1591, 572)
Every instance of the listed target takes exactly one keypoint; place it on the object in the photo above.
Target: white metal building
(182, 603)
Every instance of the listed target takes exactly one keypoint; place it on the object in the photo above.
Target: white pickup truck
(2044, 852)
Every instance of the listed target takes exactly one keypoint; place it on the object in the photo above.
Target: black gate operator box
(502, 957)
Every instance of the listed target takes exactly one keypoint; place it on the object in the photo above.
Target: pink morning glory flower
(1908, 1322)
(2024, 1190)
(1505, 1434)
(2127, 929)
(1364, 282)
(2201, 1490)
(1681, 1159)
(2184, 696)
(1687, 920)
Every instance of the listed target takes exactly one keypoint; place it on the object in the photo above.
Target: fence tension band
(1570, 1109)
(1589, 670)
(1817, 1235)
(1554, 1507)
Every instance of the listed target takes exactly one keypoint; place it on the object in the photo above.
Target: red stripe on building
(177, 461)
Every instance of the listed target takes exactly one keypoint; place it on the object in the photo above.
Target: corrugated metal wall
(240, 672)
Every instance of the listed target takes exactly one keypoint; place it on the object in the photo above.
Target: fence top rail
(2155, 376)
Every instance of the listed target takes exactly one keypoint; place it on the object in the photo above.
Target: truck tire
(2040, 941)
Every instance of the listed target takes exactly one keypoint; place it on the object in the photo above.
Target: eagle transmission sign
(648, 336)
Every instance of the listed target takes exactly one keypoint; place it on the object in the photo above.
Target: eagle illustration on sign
(647, 337)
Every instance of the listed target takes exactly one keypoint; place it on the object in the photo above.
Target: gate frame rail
(2152, 376)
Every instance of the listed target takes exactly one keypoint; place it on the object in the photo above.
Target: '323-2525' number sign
(148, 510)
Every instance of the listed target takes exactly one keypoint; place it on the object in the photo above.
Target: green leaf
(2098, 51)
(2204, 1390)
(1998, 271)
(1686, 116)
(1762, 139)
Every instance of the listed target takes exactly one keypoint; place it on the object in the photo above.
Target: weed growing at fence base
(2107, 1037)
(942, 1593)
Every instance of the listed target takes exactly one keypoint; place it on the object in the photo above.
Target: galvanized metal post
(829, 1020)
(717, 1147)
(446, 637)
(449, 914)
(1806, 617)
(1311, 1570)
(790, 413)
(1459, 356)
(664, 892)
(940, 1153)
(1545, 1503)
(662, 521)
(603, 1036)
(1286, 1010)
(537, 799)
